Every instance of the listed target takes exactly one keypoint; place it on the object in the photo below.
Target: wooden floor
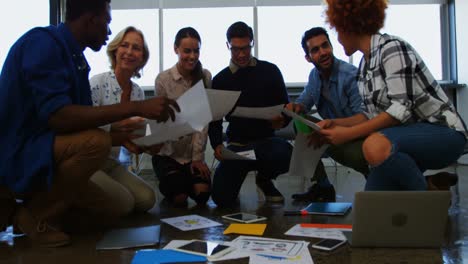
(19, 249)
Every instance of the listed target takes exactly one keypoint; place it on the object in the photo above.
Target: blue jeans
(273, 156)
(415, 148)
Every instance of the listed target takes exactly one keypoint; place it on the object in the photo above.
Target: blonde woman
(128, 53)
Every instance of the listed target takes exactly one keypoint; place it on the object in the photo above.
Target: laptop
(400, 218)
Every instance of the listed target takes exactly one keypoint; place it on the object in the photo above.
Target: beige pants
(125, 188)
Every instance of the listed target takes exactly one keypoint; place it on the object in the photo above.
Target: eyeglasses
(237, 50)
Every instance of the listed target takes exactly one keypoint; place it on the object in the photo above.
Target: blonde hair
(356, 16)
(115, 43)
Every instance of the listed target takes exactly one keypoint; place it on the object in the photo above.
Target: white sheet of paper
(194, 115)
(266, 113)
(190, 222)
(269, 246)
(304, 120)
(242, 155)
(332, 233)
(221, 102)
(304, 159)
(194, 107)
(160, 134)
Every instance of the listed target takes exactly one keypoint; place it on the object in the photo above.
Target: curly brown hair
(356, 16)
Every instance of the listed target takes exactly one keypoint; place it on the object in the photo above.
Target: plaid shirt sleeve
(396, 81)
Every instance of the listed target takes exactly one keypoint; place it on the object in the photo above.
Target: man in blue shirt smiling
(332, 89)
(50, 141)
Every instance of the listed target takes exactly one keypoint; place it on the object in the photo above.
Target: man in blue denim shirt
(332, 89)
(50, 142)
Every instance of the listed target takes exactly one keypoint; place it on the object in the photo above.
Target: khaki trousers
(77, 156)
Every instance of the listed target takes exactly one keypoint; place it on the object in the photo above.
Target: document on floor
(194, 115)
(221, 102)
(266, 113)
(269, 246)
(303, 256)
(190, 222)
(130, 237)
(228, 154)
(304, 159)
(319, 231)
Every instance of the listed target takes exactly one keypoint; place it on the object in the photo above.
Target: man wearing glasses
(262, 85)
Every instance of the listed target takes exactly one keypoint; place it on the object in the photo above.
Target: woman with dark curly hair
(409, 124)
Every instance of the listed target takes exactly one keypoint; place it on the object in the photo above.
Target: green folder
(301, 127)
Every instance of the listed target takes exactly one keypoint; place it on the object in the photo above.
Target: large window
(278, 26)
(15, 20)
(420, 26)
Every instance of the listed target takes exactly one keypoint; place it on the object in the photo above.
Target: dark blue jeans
(273, 156)
(415, 148)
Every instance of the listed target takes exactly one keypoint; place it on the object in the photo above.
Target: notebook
(130, 237)
(400, 218)
(327, 208)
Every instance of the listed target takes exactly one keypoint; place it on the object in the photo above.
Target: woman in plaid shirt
(409, 124)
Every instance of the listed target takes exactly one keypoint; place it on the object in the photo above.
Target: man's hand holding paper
(302, 120)
(157, 108)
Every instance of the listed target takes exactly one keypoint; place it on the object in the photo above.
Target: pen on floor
(272, 257)
(300, 212)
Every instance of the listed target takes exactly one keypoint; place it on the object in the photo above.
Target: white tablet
(244, 217)
(208, 249)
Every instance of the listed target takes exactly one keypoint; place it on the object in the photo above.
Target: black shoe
(317, 194)
(269, 191)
